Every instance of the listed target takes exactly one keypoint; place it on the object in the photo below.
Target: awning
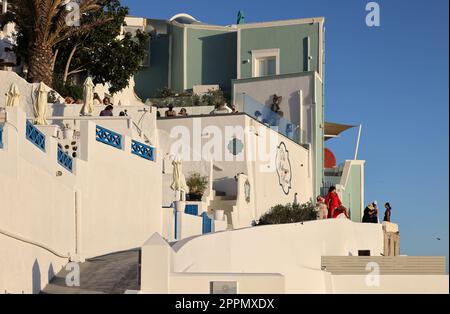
(333, 130)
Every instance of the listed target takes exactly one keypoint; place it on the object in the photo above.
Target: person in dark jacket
(387, 215)
(108, 112)
(368, 214)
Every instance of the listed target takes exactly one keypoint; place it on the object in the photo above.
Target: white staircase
(221, 201)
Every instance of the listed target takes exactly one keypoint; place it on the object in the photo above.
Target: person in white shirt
(97, 100)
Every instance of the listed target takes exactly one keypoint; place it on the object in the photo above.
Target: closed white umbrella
(13, 98)
(40, 106)
(88, 97)
(179, 181)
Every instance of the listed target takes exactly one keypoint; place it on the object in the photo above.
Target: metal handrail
(42, 246)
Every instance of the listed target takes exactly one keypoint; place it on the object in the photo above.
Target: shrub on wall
(290, 213)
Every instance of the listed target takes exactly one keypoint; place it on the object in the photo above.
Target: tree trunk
(40, 64)
(69, 61)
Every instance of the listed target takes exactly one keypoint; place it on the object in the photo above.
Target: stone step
(225, 198)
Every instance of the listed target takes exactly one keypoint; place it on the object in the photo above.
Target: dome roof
(184, 18)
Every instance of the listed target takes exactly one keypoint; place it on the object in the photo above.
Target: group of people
(221, 109)
(371, 213)
(70, 101)
(331, 206)
(98, 101)
(172, 113)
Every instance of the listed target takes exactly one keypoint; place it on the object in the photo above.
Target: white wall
(257, 254)
(35, 205)
(120, 195)
(113, 196)
(265, 179)
(262, 174)
(186, 283)
(294, 251)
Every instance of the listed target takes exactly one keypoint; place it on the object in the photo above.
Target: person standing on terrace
(106, 101)
(387, 215)
(321, 208)
(171, 112)
(332, 201)
(108, 112)
(97, 100)
(183, 112)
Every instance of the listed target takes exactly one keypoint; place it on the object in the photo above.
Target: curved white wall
(292, 250)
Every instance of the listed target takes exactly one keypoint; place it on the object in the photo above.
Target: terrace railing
(108, 137)
(265, 115)
(65, 160)
(142, 150)
(35, 136)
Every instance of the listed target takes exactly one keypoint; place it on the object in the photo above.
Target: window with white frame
(265, 62)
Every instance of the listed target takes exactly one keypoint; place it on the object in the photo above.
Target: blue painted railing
(35, 136)
(108, 137)
(1, 137)
(65, 160)
(191, 210)
(207, 223)
(143, 151)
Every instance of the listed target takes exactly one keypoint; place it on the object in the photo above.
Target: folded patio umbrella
(13, 98)
(88, 108)
(40, 106)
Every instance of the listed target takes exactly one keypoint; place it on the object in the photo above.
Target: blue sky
(392, 79)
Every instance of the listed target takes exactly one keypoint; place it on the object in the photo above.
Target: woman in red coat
(333, 201)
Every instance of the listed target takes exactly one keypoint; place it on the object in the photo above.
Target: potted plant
(197, 186)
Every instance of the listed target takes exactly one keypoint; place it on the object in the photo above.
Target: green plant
(214, 98)
(197, 183)
(290, 213)
(69, 90)
(196, 100)
(164, 93)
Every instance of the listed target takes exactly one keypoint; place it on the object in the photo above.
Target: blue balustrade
(143, 151)
(1, 137)
(65, 160)
(108, 137)
(207, 223)
(35, 136)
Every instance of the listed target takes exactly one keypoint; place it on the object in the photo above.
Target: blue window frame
(1, 137)
(142, 150)
(65, 160)
(108, 137)
(191, 210)
(35, 136)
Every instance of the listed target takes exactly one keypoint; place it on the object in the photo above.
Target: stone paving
(109, 274)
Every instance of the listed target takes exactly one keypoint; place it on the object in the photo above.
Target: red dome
(330, 159)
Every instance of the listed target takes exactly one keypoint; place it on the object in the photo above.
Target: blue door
(207, 223)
